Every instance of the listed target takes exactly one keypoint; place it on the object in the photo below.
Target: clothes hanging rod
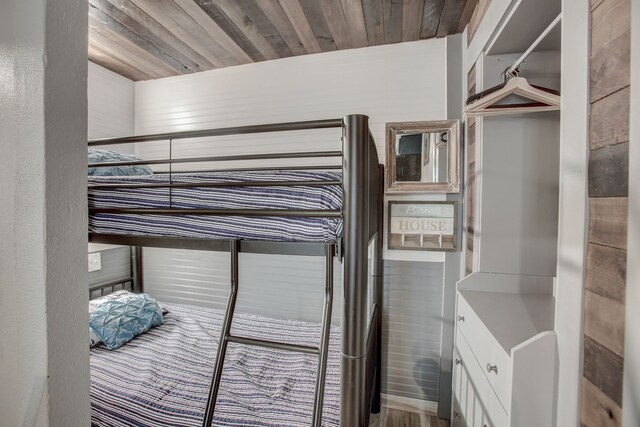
(511, 71)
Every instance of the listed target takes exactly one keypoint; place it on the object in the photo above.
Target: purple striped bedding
(233, 227)
(162, 377)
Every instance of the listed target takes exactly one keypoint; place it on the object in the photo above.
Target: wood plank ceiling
(149, 39)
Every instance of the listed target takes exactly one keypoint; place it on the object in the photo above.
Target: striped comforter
(162, 377)
(231, 227)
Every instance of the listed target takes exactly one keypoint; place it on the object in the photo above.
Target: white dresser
(505, 352)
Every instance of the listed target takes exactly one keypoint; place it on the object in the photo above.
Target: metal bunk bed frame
(362, 212)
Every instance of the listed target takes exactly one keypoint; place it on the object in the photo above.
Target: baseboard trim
(409, 404)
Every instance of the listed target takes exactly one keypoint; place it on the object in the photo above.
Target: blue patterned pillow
(122, 294)
(117, 322)
(96, 155)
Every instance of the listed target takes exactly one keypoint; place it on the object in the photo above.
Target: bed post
(378, 290)
(136, 269)
(353, 393)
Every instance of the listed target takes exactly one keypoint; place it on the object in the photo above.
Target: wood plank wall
(471, 176)
(605, 278)
(481, 7)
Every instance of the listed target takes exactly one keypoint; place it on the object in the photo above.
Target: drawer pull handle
(458, 362)
(460, 318)
(492, 368)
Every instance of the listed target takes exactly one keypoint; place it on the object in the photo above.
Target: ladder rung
(274, 344)
(320, 350)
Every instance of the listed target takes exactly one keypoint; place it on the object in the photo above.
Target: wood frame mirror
(423, 157)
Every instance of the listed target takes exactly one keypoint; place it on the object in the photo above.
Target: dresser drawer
(474, 398)
(492, 358)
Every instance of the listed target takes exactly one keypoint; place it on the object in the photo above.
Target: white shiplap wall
(412, 328)
(402, 82)
(111, 101)
(116, 265)
(111, 112)
(292, 288)
(270, 285)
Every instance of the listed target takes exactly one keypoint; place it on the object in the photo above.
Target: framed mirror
(423, 157)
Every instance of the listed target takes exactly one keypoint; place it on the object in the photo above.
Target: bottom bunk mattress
(162, 377)
(273, 228)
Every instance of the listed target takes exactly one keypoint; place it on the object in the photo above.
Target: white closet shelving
(505, 354)
(505, 345)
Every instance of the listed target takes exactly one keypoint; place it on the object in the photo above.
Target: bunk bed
(294, 210)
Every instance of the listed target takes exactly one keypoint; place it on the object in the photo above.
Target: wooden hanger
(486, 102)
(543, 99)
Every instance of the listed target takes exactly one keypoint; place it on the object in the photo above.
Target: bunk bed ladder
(321, 351)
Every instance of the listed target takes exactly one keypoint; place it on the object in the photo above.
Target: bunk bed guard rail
(362, 210)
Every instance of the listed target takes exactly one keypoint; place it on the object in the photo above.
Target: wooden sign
(428, 226)
(409, 225)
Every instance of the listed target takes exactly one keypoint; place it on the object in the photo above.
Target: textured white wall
(44, 372)
(65, 129)
(23, 347)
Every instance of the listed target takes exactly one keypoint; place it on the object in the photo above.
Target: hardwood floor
(396, 418)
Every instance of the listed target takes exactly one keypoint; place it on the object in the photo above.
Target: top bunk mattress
(285, 229)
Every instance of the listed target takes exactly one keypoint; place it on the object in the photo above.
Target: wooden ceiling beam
(392, 13)
(317, 21)
(450, 17)
(118, 53)
(103, 58)
(265, 26)
(103, 23)
(300, 24)
(214, 30)
(244, 24)
(411, 19)
(431, 14)
(136, 52)
(122, 54)
(175, 20)
(374, 21)
(334, 16)
(138, 22)
(274, 12)
(210, 7)
(169, 37)
(354, 19)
